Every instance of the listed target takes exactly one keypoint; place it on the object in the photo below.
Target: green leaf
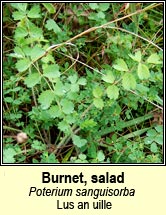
(35, 32)
(20, 32)
(143, 71)
(137, 56)
(93, 16)
(18, 53)
(64, 126)
(23, 64)
(19, 6)
(82, 157)
(77, 141)
(159, 139)
(112, 92)
(74, 87)
(27, 50)
(100, 156)
(151, 133)
(51, 71)
(128, 81)
(8, 155)
(54, 111)
(73, 78)
(49, 7)
(18, 15)
(159, 128)
(142, 89)
(153, 147)
(70, 119)
(109, 77)
(154, 59)
(73, 96)
(36, 52)
(97, 92)
(15, 55)
(104, 6)
(59, 88)
(92, 151)
(93, 6)
(98, 103)
(45, 99)
(82, 81)
(132, 157)
(51, 25)
(120, 65)
(48, 58)
(34, 12)
(38, 145)
(88, 123)
(100, 15)
(8, 99)
(158, 100)
(48, 158)
(32, 79)
(148, 140)
(67, 106)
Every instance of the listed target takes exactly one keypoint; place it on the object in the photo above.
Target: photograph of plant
(82, 83)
